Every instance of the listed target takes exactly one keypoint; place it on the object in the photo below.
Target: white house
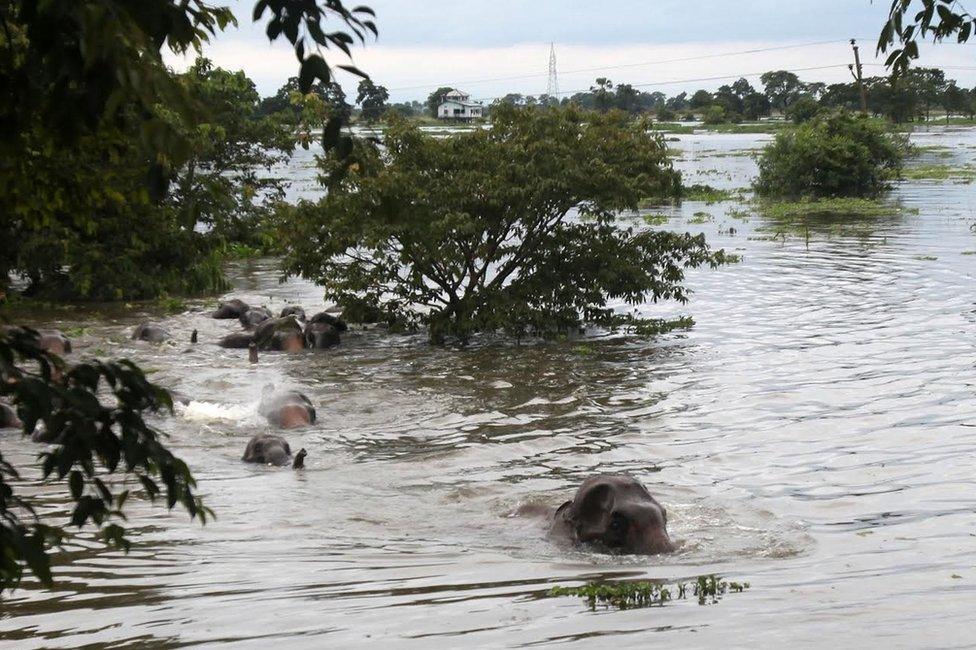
(458, 106)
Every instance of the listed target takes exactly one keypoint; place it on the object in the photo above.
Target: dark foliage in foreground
(96, 412)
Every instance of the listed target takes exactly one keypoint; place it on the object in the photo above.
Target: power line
(699, 57)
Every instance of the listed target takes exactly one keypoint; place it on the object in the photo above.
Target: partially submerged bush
(834, 154)
(707, 589)
(511, 228)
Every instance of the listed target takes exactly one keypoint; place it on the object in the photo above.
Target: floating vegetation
(938, 150)
(655, 219)
(239, 251)
(707, 193)
(969, 252)
(672, 127)
(75, 332)
(735, 213)
(846, 206)
(736, 153)
(655, 326)
(707, 589)
(964, 174)
(701, 217)
(925, 258)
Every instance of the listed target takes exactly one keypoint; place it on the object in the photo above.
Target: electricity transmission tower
(552, 89)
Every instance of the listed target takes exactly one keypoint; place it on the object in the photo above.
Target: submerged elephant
(281, 334)
(287, 409)
(237, 340)
(272, 450)
(232, 308)
(149, 332)
(8, 417)
(53, 341)
(323, 330)
(296, 311)
(613, 512)
(254, 317)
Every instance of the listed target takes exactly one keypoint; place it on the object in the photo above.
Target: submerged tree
(832, 154)
(511, 228)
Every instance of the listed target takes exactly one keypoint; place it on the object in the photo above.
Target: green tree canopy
(436, 98)
(372, 99)
(782, 88)
(833, 154)
(509, 228)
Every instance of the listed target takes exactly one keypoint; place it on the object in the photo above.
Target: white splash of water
(213, 412)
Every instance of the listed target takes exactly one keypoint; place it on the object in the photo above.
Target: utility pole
(856, 66)
(552, 89)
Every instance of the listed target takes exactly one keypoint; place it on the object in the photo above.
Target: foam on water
(200, 411)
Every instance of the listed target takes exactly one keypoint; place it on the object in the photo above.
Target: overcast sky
(489, 48)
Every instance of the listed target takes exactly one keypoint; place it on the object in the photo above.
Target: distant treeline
(913, 96)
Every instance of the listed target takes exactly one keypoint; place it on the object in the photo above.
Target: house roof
(460, 103)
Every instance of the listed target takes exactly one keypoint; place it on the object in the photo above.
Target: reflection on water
(814, 434)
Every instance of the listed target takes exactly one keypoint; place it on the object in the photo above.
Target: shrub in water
(834, 154)
(512, 228)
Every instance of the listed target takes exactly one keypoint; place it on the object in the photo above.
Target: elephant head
(282, 334)
(323, 330)
(230, 309)
(286, 409)
(296, 311)
(254, 316)
(272, 450)
(54, 341)
(149, 332)
(614, 512)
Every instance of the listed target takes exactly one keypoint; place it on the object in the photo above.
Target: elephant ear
(592, 511)
(253, 451)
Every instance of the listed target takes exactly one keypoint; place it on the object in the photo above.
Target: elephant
(232, 308)
(53, 341)
(329, 319)
(281, 334)
(322, 331)
(254, 317)
(296, 311)
(616, 513)
(272, 450)
(237, 340)
(8, 417)
(287, 409)
(150, 333)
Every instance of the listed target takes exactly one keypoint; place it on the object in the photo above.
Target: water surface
(814, 434)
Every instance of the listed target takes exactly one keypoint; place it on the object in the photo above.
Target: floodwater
(814, 435)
